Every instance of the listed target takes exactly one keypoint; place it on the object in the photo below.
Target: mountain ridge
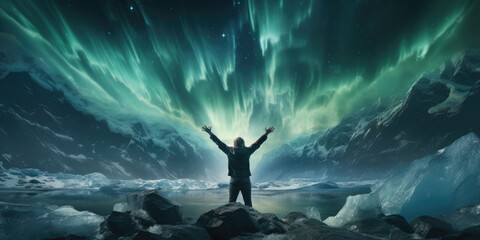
(439, 108)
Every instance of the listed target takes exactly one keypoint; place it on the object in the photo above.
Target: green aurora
(238, 66)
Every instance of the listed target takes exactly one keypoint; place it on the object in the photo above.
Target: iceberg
(434, 185)
(41, 221)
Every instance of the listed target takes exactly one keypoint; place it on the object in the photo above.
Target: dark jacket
(238, 157)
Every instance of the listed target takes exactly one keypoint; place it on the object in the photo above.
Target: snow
(433, 185)
(40, 221)
(452, 104)
(79, 157)
(54, 118)
(121, 169)
(7, 156)
(32, 123)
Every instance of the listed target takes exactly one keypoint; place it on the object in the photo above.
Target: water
(322, 203)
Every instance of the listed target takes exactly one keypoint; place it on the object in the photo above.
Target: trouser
(242, 184)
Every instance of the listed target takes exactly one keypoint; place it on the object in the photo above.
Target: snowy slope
(40, 129)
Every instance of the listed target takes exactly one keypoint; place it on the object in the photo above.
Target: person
(239, 163)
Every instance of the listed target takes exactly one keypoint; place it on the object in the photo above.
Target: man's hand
(269, 130)
(207, 129)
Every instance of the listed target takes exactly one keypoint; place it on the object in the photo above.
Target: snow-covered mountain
(440, 107)
(40, 129)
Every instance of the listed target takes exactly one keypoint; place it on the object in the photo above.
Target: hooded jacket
(238, 157)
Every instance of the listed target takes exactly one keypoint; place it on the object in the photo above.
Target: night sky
(236, 65)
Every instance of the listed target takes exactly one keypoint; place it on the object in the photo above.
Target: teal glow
(178, 75)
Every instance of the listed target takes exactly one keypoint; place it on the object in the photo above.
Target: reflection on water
(194, 202)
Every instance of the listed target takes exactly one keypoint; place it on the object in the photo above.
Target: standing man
(239, 163)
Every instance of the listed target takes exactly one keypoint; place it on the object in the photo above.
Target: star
(131, 7)
(223, 35)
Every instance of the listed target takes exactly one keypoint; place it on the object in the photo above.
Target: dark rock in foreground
(429, 227)
(377, 227)
(470, 233)
(233, 219)
(162, 210)
(239, 222)
(69, 237)
(293, 216)
(173, 232)
(119, 224)
(399, 222)
(309, 228)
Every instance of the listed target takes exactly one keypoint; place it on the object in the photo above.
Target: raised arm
(262, 139)
(215, 139)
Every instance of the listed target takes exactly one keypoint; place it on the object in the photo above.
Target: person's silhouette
(239, 163)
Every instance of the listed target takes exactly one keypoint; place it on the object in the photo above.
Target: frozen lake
(195, 202)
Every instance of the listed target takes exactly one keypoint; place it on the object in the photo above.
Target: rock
(470, 233)
(118, 224)
(229, 220)
(307, 222)
(269, 223)
(464, 217)
(293, 216)
(142, 218)
(400, 222)
(189, 220)
(315, 229)
(162, 210)
(376, 227)
(144, 235)
(258, 236)
(69, 237)
(174, 232)
(429, 227)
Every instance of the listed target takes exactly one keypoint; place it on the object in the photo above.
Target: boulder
(144, 235)
(269, 223)
(430, 227)
(315, 229)
(162, 210)
(377, 227)
(118, 224)
(69, 237)
(293, 216)
(142, 218)
(306, 222)
(174, 232)
(258, 236)
(400, 222)
(471, 233)
(229, 220)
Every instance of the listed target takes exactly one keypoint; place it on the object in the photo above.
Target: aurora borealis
(239, 66)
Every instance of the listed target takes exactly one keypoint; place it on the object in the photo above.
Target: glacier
(35, 179)
(434, 185)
